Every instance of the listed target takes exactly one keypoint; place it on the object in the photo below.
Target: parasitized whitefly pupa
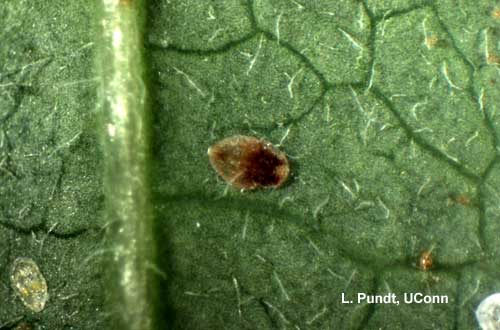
(247, 162)
(29, 284)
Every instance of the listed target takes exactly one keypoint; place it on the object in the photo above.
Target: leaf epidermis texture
(387, 112)
(50, 181)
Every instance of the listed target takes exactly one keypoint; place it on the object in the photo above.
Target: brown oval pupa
(247, 162)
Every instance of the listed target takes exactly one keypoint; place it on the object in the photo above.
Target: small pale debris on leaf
(29, 284)
(247, 162)
(488, 313)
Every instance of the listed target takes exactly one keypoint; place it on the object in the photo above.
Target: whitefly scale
(29, 284)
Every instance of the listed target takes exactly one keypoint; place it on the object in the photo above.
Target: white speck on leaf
(290, 84)
(278, 28)
(444, 71)
(190, 81)
(476, 134)
(252, 62)
(351, 39)
(318, 208)
(488, 313)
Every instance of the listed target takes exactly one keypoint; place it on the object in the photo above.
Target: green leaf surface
(387, 110)
(50, 173)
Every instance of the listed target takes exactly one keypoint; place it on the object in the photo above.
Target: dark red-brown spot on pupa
(248, 163)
